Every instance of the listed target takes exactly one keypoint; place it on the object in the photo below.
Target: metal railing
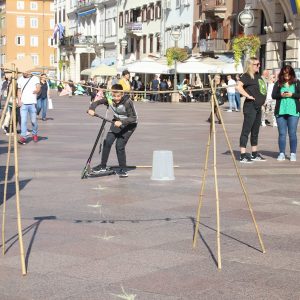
(71, 41)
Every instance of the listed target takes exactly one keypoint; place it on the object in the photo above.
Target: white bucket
(162, 165)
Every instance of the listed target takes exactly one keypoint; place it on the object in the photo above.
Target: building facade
(278, 27)
(26, 29)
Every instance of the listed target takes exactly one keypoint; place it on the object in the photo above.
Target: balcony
(70, 42)
(215, 7)
(213, 45)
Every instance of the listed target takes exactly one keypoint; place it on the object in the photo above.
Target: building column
(77, 67)
(72, 66)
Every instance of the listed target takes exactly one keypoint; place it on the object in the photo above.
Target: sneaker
(237, 110)
(35, 138)
(5, 129)
(263, 124)
(274, 124)
(257, 157)
(122, 173)
(281, 157)
(245, 159)
(22, 141)
(9, 133)
(293, 157)
(229, 110)
(99, 169)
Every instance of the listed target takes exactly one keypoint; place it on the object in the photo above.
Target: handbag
(221, 101)
(50, 103)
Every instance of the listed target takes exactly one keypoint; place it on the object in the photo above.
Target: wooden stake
(14, 116)
(202, 188)
(5, 184)
(240, 179)
(5, 107)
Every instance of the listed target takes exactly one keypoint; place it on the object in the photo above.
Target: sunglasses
(258, 64)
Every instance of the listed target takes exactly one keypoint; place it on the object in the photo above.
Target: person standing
(253, 87)
(43, 96)
(231, 93)
(286, 91)
(124, 81)
(123, 125)
(270, 103)
(28, 89)
(154, 87)
(237, 94)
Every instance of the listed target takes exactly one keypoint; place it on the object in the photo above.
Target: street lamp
(175, 35)
(123, 45)
(246, 17)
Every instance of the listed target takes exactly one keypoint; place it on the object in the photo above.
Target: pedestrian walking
(28, 89)
(286, 91)
(270, 104)
(265, 76)
(231, 83)
(43, 96)
(253, 87)
(124, 81)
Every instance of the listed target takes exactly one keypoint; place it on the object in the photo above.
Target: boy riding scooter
(123, 125)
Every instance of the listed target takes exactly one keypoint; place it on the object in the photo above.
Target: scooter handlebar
(109, 121)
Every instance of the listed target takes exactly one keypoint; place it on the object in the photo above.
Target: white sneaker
(263, 124)
(281, 157)
(229, 110)
(293, 157)
(274, 124)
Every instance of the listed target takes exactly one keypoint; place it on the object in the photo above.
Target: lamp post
(123, 45)
(175, 35)
(246, 17)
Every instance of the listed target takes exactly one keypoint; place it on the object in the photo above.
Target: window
(35, 59)
(144, 44)
(131, 45)
(20, 5)
(34, 23)
(177, 3)
(158, 43)
(33, 5)
(144, 14)
(3, 59)
(52, 23)
(121, 19)
(52, 60)
(34, 41)
(20, 55)
(157, 11)
(63, 15)
(20, 40)
(51, 42)
(151, 42)
(126, 17)
(20, 22)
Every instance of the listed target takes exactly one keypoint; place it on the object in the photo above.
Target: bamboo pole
(14, 116)
(241, 179)
(5, 107)
(215, 172)
(5, 184)
(202, 188)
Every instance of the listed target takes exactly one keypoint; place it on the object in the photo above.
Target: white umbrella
(200, 66)
(101, 70)
(148, 66)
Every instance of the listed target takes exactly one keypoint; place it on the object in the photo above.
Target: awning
(87, 12)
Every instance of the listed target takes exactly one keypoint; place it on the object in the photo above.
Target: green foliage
(245, 44)
(175, 53)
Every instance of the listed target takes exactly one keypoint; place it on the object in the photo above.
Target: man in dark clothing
(154, 88)
(123, 125)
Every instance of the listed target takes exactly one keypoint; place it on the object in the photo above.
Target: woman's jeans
(231, 100)
(252, 120)
(287, 123)
(31, 109)
(42, 106)
(238, 100)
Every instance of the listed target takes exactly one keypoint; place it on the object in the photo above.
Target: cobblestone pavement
(102, 238)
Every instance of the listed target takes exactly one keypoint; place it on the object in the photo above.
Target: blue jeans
(231, 99)
(42, 106)
(31, 109)
(238, 100)
(287, 123)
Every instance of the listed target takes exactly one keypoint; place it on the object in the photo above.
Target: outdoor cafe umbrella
(101, 70)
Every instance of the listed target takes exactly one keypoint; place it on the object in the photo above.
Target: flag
(58, 28)
(295, 4)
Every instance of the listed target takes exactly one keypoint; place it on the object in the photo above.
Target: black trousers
(252, 121)
(121, 140)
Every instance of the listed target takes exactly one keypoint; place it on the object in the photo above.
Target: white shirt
(270, 90)
(27, 96)
(231, 89)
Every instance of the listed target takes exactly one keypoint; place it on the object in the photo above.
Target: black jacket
(277, 96)
(123, 111)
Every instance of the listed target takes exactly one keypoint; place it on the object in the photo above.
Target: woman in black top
(253, 87)
(42, 100)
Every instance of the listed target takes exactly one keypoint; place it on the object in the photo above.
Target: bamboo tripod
(212, 137)
(13, 129)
